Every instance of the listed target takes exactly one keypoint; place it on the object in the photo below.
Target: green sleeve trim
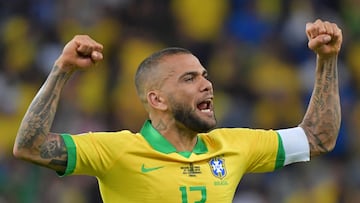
(280, 157)
(71, 151)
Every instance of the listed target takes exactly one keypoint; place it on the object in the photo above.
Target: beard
(187, 116)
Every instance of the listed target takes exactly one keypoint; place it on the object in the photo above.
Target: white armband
(295, 144)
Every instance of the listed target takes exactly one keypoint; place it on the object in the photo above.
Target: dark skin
(35, 143)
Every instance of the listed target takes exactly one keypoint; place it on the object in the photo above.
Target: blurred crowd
(255, 51)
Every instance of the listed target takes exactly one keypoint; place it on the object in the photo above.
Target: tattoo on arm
(54, 149)
(322, 119)
(33, 136)
(37, 121)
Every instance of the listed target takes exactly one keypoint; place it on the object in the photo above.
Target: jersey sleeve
(265, 151)
(290, 146)
(296, 145)
(257, 150)
(71, 152)
(93, 153)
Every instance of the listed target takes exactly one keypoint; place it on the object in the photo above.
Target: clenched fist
(81, 52)
(325, 38)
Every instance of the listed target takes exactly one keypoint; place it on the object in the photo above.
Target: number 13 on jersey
(187, 190)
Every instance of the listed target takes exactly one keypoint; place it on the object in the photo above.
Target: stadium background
(257, 56)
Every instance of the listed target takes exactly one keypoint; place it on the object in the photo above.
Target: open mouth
(205, 106)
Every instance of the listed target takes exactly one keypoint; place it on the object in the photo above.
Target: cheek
(180, 101)
(186, 93)
(184, 97)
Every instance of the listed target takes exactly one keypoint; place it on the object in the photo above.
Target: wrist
(63, 66)
(324, 58)
(60, 68)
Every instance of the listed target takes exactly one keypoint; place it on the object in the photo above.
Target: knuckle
(318, 21)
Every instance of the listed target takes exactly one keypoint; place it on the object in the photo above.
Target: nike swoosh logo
(146, 170)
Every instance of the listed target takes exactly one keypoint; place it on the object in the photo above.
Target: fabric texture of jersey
(145, 167)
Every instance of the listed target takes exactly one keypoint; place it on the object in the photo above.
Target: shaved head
(148, 75)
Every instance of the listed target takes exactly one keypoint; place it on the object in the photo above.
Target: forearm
(321, 122)
(34, 130)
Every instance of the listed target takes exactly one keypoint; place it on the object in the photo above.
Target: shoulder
(106, 137)
(236, 135)
(239, 132)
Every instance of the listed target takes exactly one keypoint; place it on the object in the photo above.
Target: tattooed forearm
(33, 135)
(38, 120)
(322, 119)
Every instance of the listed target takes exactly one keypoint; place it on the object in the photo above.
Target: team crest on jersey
(217, 165)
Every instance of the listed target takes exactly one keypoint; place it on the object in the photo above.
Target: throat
(183, 143)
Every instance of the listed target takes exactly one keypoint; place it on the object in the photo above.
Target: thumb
(90, 60)
(96, 56)
(318, 41)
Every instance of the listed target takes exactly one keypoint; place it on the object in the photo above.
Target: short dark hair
(148, 65)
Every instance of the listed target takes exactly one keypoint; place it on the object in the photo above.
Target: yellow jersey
(144, 167)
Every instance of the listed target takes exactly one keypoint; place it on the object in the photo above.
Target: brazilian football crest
(217, 165)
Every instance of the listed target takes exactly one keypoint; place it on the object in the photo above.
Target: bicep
(53, 153)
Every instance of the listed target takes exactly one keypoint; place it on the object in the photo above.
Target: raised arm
(321, 122)
(34, 141)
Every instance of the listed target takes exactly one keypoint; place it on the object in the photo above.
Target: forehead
(176, 65)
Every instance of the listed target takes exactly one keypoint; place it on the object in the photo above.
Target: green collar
(159, 143)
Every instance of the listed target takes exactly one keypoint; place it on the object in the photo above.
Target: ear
(156, 101)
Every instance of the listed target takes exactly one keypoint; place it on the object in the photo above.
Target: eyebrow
(204, 72)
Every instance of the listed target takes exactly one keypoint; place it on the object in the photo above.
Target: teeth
(206, 110)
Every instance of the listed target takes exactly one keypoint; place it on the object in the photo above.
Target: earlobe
(156, 101)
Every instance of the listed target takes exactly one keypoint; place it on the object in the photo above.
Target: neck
(180, 137)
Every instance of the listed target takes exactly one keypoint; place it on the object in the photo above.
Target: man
(177, 157)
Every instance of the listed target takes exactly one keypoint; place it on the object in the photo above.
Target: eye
(189, 78)
(206, 76)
